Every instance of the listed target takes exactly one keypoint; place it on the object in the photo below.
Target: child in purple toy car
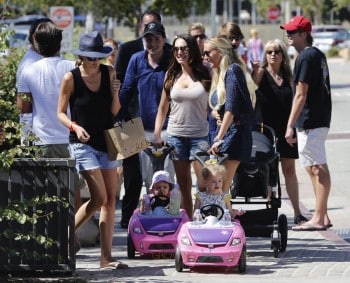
(213, 175)
(161, 187)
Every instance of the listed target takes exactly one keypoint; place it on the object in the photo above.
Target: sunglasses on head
(182, 48)
(273, 51)
(93, 58)
(199, 36)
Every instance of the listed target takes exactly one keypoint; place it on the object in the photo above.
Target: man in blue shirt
(145, 74)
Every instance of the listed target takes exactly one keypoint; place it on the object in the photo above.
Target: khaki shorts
(311, 146)
(62, 151)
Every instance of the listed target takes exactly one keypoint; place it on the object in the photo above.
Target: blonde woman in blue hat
(91, 91)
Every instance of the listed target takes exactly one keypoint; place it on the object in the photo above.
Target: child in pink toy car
(211, 238)
(164, 193)
(154, 227)
(213, 175)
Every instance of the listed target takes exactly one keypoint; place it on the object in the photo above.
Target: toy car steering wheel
(212, 209)
(162, 201)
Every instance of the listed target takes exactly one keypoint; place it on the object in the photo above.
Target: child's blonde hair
(212, 169)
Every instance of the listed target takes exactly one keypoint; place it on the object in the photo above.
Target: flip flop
(330, 225)
(308, 227)
(115, 265)
(300, 219)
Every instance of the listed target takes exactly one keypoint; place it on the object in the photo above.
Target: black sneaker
(122, 225)
(300, 219)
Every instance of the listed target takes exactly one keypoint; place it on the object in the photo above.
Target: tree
(313, 9)
(128, 11)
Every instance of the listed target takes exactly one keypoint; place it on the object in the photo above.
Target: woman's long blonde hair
(229, 56)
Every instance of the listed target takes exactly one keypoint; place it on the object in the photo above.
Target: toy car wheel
(283, 229)
(179, 264)
(242, 263)
(131, 247)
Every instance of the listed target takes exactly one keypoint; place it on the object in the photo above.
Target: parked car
(346, 43)
(19, 39)
(26, 20)
(328, 36)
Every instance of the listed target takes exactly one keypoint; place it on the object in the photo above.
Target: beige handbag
(126, 139)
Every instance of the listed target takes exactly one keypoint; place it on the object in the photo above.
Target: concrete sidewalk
(319, 256)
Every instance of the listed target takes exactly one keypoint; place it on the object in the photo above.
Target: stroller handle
(158, 155)
(205, 158)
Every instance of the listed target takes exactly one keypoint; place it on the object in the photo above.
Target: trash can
(41, 194)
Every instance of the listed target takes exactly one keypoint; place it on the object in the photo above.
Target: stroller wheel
(275, 252)
(283, 229)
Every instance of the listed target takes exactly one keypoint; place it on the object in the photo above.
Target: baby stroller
(257, 182)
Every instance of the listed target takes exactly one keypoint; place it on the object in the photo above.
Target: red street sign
(62, 17)
(273, 13)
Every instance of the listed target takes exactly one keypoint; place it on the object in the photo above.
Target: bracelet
(218, 140)
(71, 126)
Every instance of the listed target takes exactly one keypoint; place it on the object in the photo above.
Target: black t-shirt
(311, 68)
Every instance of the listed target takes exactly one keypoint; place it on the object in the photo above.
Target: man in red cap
(311, 116)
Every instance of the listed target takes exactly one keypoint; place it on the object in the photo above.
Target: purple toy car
(154, 234)
(212, 242)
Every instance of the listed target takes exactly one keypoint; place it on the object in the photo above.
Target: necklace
(275, 75)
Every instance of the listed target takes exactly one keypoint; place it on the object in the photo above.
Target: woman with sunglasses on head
(231, 105)
(274, 97)
(91, 92)
(185, 95)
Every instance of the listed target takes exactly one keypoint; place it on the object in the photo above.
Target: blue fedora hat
(91, 45)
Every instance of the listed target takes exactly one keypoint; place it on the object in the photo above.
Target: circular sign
(273, 13)
(62, 17)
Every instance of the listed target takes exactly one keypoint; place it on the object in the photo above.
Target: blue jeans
(185, 147)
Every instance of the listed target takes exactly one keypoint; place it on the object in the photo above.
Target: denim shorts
(185, 147)
(88, 158)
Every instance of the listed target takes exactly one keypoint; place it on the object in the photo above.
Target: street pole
(230, 10)
(213, 17)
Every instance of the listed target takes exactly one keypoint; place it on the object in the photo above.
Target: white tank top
(188, 112)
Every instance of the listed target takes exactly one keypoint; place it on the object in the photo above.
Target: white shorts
(311, 146)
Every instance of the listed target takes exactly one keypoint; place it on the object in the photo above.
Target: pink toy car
(154, 234)
(211, 243)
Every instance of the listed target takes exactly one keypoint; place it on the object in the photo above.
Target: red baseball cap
(298, 22)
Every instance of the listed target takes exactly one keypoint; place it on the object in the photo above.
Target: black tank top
(92, 110)
(275, 102)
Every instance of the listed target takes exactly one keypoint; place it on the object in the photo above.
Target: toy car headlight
(137, 230)
(185, 241)
(236, 241)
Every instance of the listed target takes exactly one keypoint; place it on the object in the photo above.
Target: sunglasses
(291, 32)
(273, 51)
(199, 36)
(93, 58)
(182, 48)
(234, 38)
(207, 53)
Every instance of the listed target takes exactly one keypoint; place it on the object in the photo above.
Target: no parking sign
(273, 14)
(63, 17)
